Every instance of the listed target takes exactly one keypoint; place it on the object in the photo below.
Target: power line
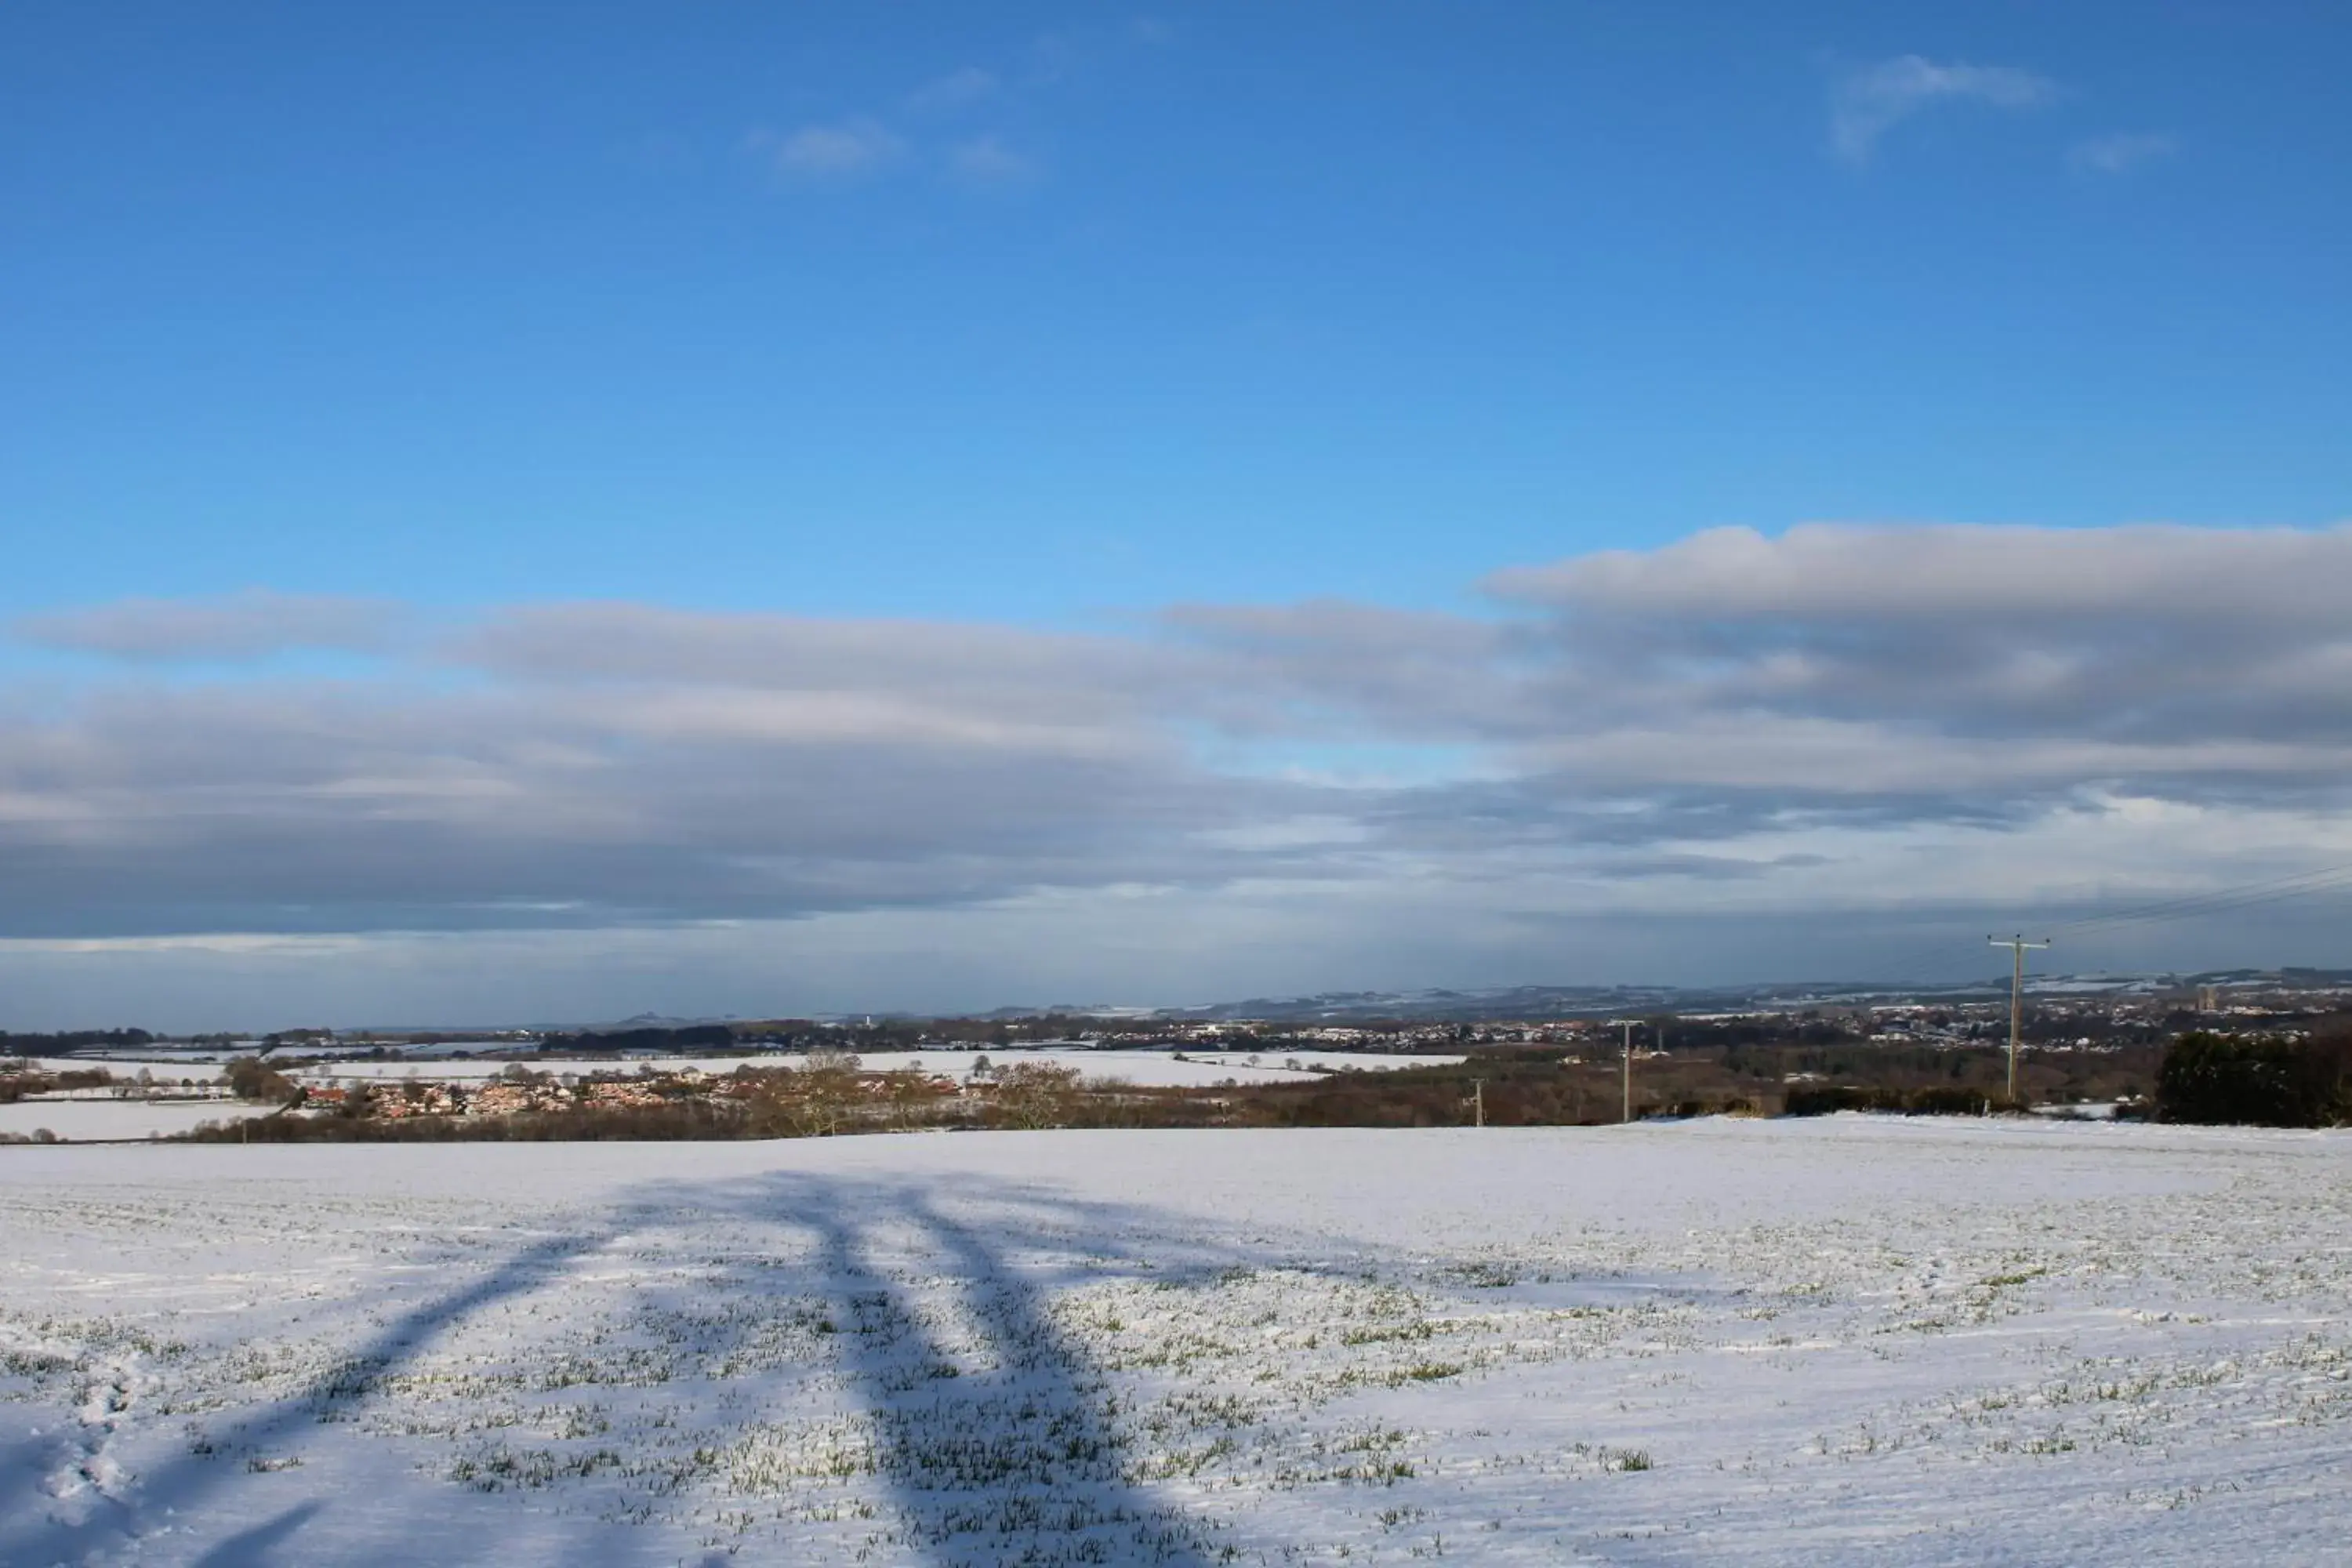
(2219, 901)
(2188, 906)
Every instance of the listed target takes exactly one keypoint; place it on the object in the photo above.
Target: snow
(80, 1120)
(1197, 1069)
(170, 1069)
(1160, 1068)
(1723, 1341)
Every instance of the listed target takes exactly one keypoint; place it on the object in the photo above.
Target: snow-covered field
(82, 1121)
(1197, 1069)
(1789, 1342)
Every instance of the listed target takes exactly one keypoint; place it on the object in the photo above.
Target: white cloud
(2119, 154)
(844, 150)
(915, 130)
(955, 92)
(986, 160)
(1873, 99)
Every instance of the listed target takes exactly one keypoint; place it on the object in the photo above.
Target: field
(1156, 1068)
(89, 1119)
(1165, 1067)
(1721, 1341)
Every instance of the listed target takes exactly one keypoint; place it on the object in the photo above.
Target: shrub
(2261, 1080)
(1951, 1100)
(1935, 1100)
(1826, 1100)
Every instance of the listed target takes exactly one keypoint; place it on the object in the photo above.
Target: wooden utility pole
(1628, 1113)
(1478, 1102)
(2017, 946)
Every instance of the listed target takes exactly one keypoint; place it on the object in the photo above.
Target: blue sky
(415, 323)
(463, 305)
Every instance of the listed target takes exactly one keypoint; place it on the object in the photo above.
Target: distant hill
(1477, 1004)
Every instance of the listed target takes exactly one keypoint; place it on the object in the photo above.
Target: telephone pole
(1478, 1101)
(1628, 1114)
(2017, 946)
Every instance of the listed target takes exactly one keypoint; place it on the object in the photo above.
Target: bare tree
(1037, 1094)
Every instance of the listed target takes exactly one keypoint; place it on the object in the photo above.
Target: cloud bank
(1839, 722)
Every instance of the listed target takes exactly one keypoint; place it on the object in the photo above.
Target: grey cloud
(2127, 645)
(1875, 573)
(1567, 812)
(603, 799)
(1331, 666)
(619, 639)
(1841, 676)
(1334, 625)
(251, 625)
(659, 670)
